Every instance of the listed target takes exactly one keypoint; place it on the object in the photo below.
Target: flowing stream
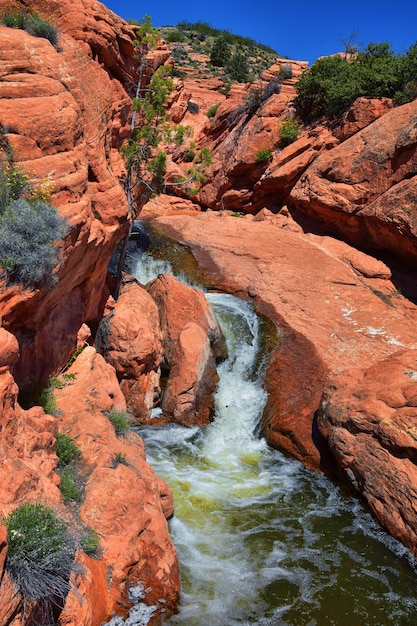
(261, 540)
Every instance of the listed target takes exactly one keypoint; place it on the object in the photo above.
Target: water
(261, 540)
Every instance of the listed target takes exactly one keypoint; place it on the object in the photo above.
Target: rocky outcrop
(368, 417)
(192, 341)
(363, 189)
(129, 338)
(335, 307)
(123, 501)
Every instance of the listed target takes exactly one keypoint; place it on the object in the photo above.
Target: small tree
(220, 52)
(238, 68)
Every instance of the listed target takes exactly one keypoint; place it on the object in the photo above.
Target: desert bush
(28, 232)
(40, 554)
(220, 52)
(204, 157)
(68, 486)
(189, 155)
(213, 110)
(13, 20)
(66, 449)
(119, 421)
(285, 72)
(33, 24)
(263, 155)
(237, 67)
(288, 132)
(332, 84)
(90, 542)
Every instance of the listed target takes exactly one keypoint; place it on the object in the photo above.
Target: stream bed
(261, 540)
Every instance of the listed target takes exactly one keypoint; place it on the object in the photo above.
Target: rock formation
(321, 235)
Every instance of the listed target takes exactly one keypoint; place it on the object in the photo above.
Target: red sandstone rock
(130, 340)
(188, 397)
(368, 417)
(192, 340)
(363, 112)
(335, 308)
(363, 190)
(123, 501)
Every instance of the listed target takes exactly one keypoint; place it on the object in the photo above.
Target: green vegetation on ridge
(333, 83)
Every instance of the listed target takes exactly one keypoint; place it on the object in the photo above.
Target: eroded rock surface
(368, 417)
(123, 500)
(192, 341)
(335, 307)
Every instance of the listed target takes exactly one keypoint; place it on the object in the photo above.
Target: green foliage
(263, 155)
(285, 72)
(209, 31)
(213, 110)
(46, 398)
(90, 542)
(204, 157)
(189, 155)
(225, 90)
(238, 67)
(66, 449)
(332, 84)
(120, 458)
(119, 421)
(40, 554)
(220, 52)
(14, 20)
(288, 132)
(29, 229)
(33, 24)
(68, 486)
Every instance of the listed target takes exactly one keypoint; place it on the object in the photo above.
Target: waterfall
(262, 540)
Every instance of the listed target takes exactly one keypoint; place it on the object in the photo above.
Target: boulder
(192, 341)
(368, 417)
(129, 338)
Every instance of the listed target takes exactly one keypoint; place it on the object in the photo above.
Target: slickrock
(192, 341)
(335, 307)
(363, 189)
(368, 417)
(123, 501)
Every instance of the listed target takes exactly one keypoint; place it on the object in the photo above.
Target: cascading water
(261, 540)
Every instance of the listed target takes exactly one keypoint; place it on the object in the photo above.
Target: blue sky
(297, 29)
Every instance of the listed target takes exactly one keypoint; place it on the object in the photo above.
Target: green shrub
(189, 155)
(68, 486)
(90, 542)
(37, 27)
(46, 398)
(119, 421)
(120, 458)
(213, 110)
(220, 52)
(40, 554)
(33, 24)
(66, 449)
(263, 155)
(204, 157)
(238, 67)
(13, 20)
(28, 232)
(332, 84)
(288, 132)
(285, 72)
